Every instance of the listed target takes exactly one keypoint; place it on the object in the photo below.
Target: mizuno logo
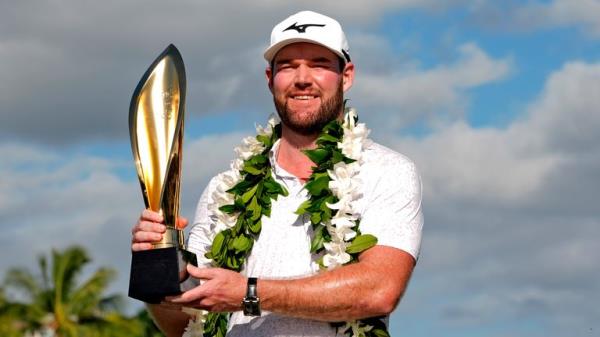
(302, 28)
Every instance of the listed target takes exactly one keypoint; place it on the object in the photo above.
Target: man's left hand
(221, 290)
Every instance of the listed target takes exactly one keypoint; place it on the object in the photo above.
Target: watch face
(251, 306)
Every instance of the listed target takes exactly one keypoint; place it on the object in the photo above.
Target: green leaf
(249, 194)
(361, 243)
(315, 218)
(317, 155)
(274, 187)
(316, 187)
(217, 245)
(239, 224)
(241, 187)
(378, 333)
(267, 209)
(327, 138)
(232, 262)
(229, 209)
(254, 227)
(265, 200)
(320, 263)
(259, 189)
(249, 168)
(266, 140)
(258, 160)
(242, 243)
(336, 157)
(302, 208)
(255, 208)
(317, 241)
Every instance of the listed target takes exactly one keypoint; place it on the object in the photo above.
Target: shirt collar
(277, 170)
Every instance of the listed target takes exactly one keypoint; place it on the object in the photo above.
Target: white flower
(354, 141)
(355, 136)
(342, 175)
(336, 254)
(357, 330)
(220, 197)
(250, 147)
(344, 184)
(268, 129)
(224, 181)
(195, 327)
(342, 232)
(344, 220)
(350, 117)
(237, 164)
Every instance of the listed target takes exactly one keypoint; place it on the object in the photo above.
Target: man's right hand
(149, 229)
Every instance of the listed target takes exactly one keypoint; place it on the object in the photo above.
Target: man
(309, 70)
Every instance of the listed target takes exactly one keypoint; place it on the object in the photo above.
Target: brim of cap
(272, 50)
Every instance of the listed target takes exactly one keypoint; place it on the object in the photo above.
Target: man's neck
(290, 156)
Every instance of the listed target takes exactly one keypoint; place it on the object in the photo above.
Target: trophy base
(157, 273)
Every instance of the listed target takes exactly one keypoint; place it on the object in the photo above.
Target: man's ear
(269, 76)
(348, 76)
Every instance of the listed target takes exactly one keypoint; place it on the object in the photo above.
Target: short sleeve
(200, 237)
(392, 200)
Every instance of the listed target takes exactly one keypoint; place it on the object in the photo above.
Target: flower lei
(244, 194)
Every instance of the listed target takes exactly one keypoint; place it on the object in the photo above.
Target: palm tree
(10, 325)
(56, 305)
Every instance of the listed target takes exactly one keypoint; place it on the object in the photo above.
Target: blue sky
(496, 102)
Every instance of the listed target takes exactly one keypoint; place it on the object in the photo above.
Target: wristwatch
(251, 303)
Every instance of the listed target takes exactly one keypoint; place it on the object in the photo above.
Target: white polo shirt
(390, 208)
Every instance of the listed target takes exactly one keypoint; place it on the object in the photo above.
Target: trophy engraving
(156, 119)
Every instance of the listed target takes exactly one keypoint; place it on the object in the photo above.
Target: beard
(329, 110)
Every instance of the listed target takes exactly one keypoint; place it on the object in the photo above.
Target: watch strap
(251, 303)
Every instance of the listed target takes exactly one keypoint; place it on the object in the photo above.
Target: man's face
(307, 85)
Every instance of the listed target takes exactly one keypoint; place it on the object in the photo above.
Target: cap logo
(302, 28)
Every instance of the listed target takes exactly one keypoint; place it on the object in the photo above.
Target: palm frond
(22, 279)
(89, 295)
(66, 266)
(43, 264)
(114, 302)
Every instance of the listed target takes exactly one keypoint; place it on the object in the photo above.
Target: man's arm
(371, 287)
(170, 320)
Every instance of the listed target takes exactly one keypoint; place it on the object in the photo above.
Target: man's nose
(303, 76)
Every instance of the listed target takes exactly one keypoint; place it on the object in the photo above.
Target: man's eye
(322, 65)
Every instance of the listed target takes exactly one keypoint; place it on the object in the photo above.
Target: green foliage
(253, 196)
(58, 303)
(325, 157)
(361, 243)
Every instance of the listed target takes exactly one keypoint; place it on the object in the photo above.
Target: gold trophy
(156, 118)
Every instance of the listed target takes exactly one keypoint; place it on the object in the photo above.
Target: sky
(495, 101)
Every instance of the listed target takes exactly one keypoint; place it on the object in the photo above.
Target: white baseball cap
(307, 26)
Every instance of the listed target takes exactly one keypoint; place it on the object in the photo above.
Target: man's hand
(149, 229)
(221, 290)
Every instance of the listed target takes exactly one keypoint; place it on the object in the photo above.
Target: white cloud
(51, 199)
(582, 13)
(538, 14)
(204, 158)
(429, 93)
(514, 163)
(72, 67)
(511, 213)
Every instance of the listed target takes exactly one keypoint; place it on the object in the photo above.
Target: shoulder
(386, 163)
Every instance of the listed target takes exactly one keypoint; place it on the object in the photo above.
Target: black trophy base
(157, 273)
